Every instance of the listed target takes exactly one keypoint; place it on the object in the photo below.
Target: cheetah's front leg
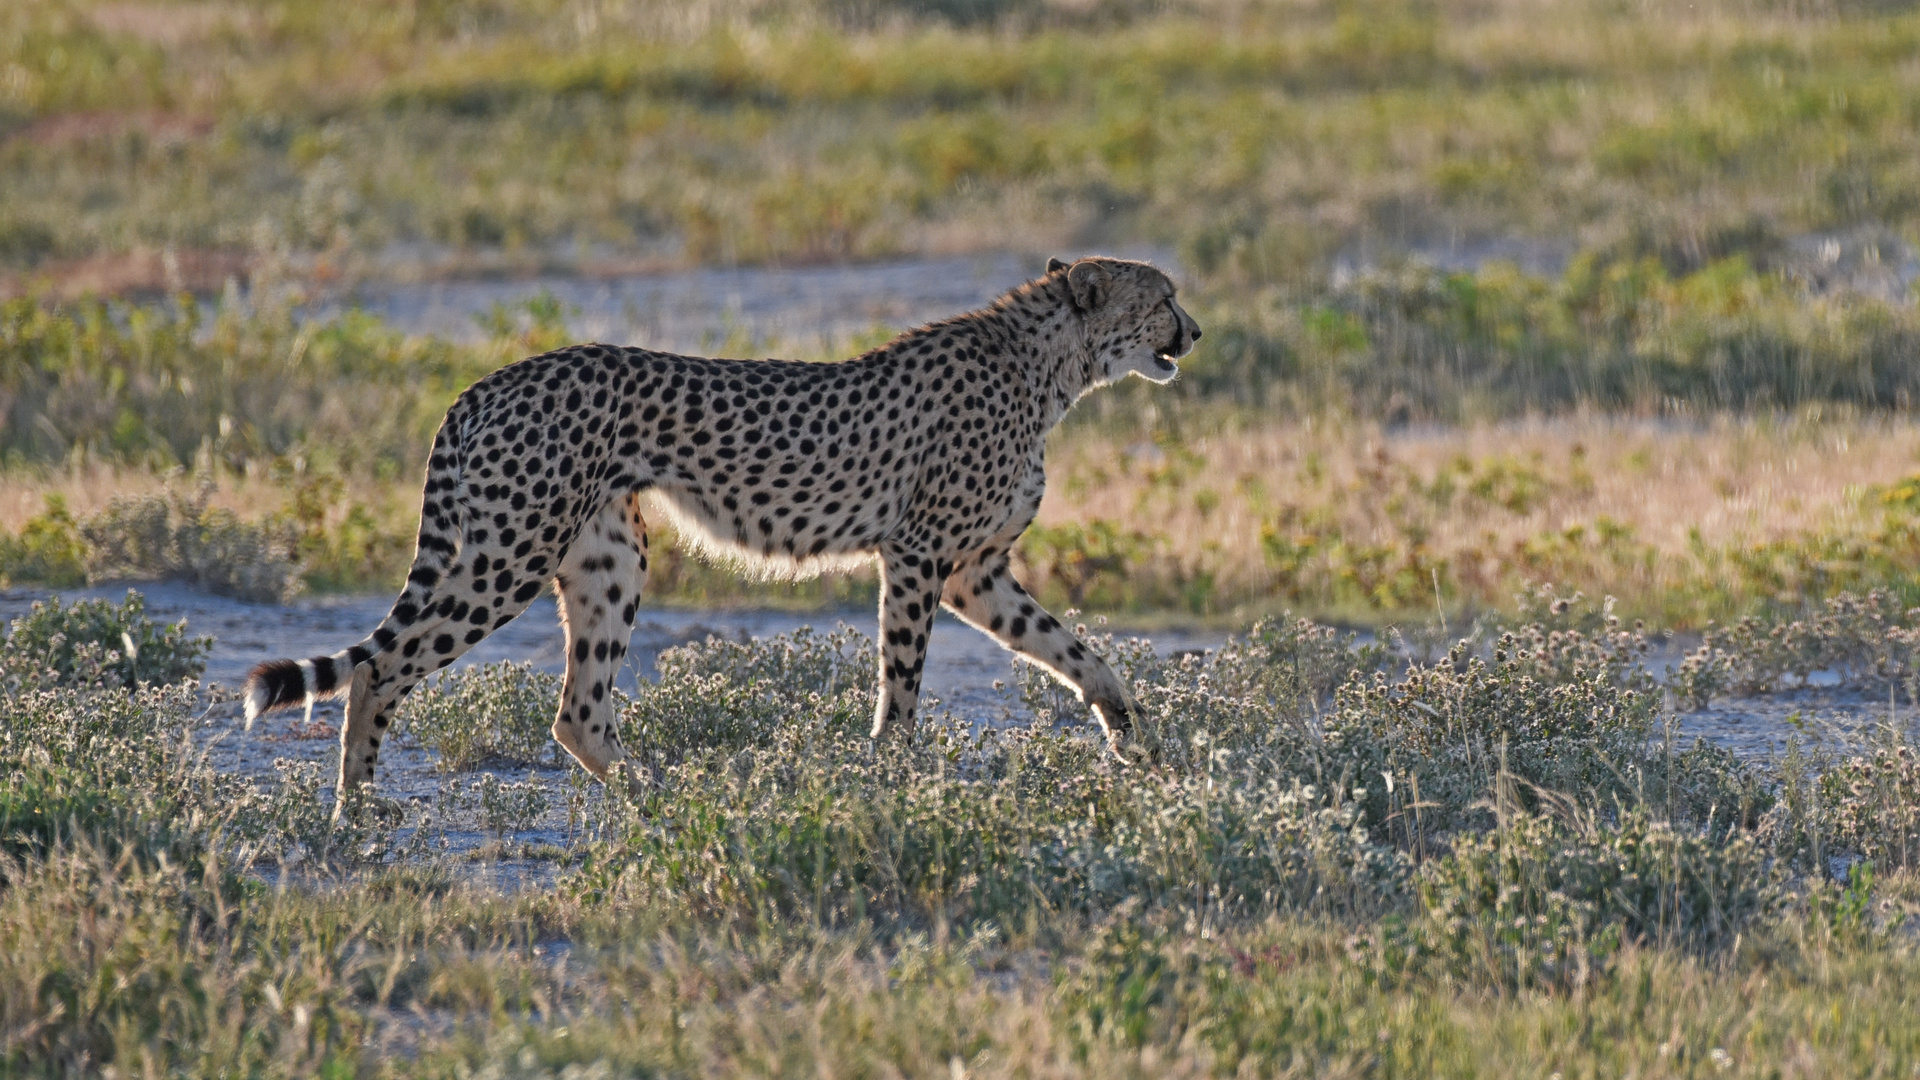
(909, 595)
(982, 592)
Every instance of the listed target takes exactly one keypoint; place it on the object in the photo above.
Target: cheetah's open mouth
(1172, 351)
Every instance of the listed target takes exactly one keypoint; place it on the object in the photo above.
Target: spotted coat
(926, 453)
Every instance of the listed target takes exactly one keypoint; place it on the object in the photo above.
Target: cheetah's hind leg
(599, 586)
(910, 584)
(483, 592)
(359, 739)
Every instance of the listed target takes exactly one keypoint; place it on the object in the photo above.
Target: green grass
(1259, 138)
(1547, 881)
(1617, 332)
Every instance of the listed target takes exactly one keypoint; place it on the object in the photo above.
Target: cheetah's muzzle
(926, 453)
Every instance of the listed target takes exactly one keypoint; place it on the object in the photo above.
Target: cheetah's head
(1134, 325)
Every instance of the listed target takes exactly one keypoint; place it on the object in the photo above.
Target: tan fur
(926, 453)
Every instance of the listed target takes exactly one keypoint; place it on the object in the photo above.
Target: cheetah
(925, 453)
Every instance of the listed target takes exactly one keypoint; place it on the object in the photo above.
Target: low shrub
(813, 828)
(721, 695)
(181, 538)
(769, 803)
(95, 642)
(1871, 803)
(1546, 901)
(47, 551)
(503, 807)
(116, 769)
(475, 716)
(1445, 733)
(106, 748)
(1869, 642)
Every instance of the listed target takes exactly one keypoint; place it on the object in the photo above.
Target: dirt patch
(66, 129)
(172, 25)
(304, 731)
(143, 273)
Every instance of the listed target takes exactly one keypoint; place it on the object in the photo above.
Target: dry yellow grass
(1342, 517)
(1480, 500)
(89, 489)
(1735, 481)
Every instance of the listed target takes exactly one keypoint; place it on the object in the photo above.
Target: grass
(1682, 521)
(780, 896)
(258, 455)
(1219, 518)
(1340, 861)
(540, 132)
(1665, 173)
(1618, 331)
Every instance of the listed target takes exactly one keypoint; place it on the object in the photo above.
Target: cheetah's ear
(1090, 283)
(1054, 266)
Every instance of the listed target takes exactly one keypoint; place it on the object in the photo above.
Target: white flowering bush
(728, 695)
(771, 802)
(487, 713)
(97, 643)
(1545, 901)
(1870, 642)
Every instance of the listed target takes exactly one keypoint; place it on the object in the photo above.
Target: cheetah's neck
(1037, 329)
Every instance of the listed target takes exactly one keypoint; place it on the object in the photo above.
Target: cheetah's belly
(779, 538)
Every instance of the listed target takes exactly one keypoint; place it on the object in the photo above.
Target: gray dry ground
(821, 308)
(783, 310)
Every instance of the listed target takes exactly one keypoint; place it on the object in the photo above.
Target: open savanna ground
(1335, 862)
(1696, 220)
(1510, 308)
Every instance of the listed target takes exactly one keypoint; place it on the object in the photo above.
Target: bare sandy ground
(787, 310)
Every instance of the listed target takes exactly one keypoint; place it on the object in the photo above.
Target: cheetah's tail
(279, 684)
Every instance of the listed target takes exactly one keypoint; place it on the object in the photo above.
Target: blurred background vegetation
(1614, 295)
